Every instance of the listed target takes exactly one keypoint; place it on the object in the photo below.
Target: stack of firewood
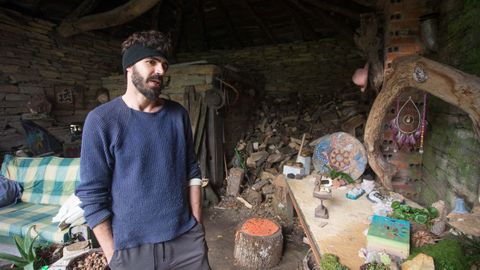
(279, 126)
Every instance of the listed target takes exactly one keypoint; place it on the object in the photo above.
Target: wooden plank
(343, 235)
(466, 223)
(215, 126)
(200, 128)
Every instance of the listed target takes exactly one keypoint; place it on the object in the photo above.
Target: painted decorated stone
(340, 151)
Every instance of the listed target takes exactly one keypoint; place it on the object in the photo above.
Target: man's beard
(151, 93)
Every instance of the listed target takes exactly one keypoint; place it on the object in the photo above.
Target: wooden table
(343, 235)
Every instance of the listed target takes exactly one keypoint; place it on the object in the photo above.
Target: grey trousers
(186, 252)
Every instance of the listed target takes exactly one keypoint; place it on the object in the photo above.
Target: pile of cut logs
(279, 127)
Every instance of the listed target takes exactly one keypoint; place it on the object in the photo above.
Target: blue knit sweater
(135, 168)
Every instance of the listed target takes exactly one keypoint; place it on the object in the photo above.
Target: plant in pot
(28, 258)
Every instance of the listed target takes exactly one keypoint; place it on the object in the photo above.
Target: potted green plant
(28, 258)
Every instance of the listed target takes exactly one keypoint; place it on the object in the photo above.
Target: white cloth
(70, 211)
(195, 182)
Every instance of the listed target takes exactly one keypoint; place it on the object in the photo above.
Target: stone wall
(452, 155)
(452, 150)
(200, 77)
(315, 67)
(36, 62)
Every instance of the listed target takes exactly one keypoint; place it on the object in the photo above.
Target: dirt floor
(221, 224)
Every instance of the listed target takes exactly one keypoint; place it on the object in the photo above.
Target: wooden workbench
(343, 235)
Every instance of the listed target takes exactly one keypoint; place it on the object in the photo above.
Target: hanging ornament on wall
(424, 123)
(409, 125)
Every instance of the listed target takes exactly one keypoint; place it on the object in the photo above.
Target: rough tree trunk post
(442, 81)
(258, 244)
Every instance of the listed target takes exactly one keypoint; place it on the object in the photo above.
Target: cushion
(10, 192)
(45, 180)
(16, 219)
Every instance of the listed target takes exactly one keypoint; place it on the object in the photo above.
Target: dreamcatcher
(409, 125)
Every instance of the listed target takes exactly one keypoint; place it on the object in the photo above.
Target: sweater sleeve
(193, 170)
(96, 163)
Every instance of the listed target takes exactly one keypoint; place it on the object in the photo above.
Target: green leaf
(395, 204)
(422, 219)
(29, 266)
(20, 246)
(346, 177)
(19, 261)
(29, 245)
(32, 255)
(433, 212)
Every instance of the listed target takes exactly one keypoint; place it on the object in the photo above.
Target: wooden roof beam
(155, 14)
(307, 31)
(231, 27)
(114, 17)
(179, 26)
(342, 28)
(327, 6)
(199, 4)
(84, 8)
(260, 22)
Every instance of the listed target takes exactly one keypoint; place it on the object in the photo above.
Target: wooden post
(258, 244)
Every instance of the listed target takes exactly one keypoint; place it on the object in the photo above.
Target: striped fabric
(47, 180)
(16, 220)
(47, 183)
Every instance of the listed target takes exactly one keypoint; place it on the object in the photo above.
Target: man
(140, 181)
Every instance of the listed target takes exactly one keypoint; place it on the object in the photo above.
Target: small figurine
(323, 193)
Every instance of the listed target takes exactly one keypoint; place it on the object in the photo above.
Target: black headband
(138, 52)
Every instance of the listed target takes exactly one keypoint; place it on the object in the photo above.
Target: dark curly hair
(151, 39)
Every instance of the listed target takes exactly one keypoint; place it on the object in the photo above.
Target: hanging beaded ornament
(409, 125)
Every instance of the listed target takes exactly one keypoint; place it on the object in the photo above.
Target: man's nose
(159, 69)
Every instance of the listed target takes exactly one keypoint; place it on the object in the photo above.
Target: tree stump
(258, 244)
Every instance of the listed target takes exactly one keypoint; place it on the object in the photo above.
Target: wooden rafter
(342, 28)
(231, 27)
(327, 6)
(260, 22)
(155, 16)
(117, 16)
(84, 8)
(203, 28)
(445, 82)
(368, 3)
(179, 25)
(307, 32)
